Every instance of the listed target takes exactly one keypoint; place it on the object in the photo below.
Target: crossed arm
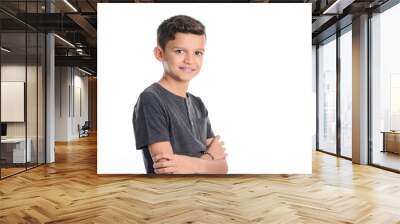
(166, 162)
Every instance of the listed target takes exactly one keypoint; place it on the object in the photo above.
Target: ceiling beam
(337, 6)
(84, 24)
(85, 61)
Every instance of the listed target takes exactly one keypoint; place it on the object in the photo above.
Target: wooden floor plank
(70, 191)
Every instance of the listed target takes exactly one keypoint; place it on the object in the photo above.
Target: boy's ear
(159, 53)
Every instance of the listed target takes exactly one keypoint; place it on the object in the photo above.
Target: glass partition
(13, 98)
(22, 77)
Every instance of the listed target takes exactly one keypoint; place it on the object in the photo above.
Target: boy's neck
(176, 87)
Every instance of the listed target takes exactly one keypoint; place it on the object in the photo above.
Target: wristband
(205, 152)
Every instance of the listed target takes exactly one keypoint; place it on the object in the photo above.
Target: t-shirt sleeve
(150, 121)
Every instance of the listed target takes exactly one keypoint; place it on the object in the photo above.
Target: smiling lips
(186, 69)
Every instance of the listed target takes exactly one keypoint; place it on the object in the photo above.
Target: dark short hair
(178, 24)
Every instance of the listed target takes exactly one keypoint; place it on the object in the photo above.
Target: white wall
(255, 82)
(61, 103)
(70, 83)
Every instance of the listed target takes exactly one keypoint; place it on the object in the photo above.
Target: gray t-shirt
(160, 115)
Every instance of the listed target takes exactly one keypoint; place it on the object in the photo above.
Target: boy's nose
(188, 59)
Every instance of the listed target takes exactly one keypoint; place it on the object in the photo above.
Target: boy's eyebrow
(200, 49)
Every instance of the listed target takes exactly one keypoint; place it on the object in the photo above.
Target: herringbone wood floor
(70, 191)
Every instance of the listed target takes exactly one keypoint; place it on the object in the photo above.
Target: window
(327, 96)
(346, 93)
(385, 88)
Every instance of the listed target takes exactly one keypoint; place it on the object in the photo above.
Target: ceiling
(76, 22)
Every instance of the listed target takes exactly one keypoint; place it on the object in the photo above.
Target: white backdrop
(255, 81)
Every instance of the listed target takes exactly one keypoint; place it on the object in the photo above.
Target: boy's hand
(216, 148)
(167, 163)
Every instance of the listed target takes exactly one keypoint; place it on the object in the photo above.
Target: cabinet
(391, 141)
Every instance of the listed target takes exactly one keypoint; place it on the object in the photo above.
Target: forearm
(218, 166)
(166, 161)
(206, 165)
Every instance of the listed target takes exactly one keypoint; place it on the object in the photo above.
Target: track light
(84, 71)
(5, 50)
(64, 40)
(70, 5)
(337, 7)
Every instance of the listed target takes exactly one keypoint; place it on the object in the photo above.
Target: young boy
(171, 125)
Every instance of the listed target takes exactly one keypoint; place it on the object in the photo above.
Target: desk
(391, 141)
(15, 148)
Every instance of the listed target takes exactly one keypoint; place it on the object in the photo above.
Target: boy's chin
(187, 79)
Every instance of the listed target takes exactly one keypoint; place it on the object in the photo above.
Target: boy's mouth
(186, 69)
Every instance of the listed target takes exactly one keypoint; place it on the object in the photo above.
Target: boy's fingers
(209, 141)
(168, 156)
(215, 140)
(223, 157)
(163, 164)
(167, 170)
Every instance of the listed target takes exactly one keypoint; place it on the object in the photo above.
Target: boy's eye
(199, 53)
(178, 51)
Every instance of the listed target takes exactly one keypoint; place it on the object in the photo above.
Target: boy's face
(182, 57)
